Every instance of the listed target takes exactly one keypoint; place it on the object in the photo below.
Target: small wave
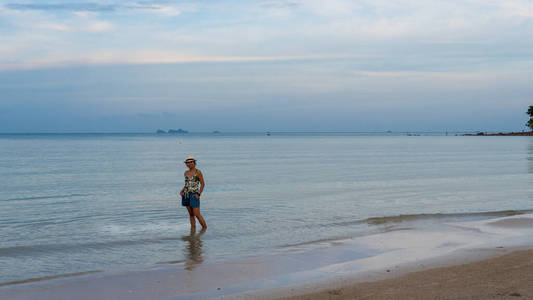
(48, 277)
(45, 197)
(172, 262)
(417, 217)
(330, 241)
(388, 221)
(59, 248)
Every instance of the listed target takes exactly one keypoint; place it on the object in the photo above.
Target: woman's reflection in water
(193, 249)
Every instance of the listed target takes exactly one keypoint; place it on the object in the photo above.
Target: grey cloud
(87, 6)
(280, 4)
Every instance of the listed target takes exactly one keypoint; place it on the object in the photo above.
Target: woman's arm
(202, 182)
(183, 188)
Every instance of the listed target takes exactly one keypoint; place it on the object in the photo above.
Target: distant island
(529, 124)
(523, 133)
(180, 131)
(172, 131)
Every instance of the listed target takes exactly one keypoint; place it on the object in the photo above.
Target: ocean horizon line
(264, 132)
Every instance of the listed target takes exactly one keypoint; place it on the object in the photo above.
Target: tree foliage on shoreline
(530, 113)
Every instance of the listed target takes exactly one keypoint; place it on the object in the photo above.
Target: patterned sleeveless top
(192, 184)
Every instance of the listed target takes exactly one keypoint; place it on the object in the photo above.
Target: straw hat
(190, 158)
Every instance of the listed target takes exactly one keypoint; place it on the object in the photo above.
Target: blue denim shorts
(191, 200)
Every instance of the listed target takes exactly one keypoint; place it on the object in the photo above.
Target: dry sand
(505, 277)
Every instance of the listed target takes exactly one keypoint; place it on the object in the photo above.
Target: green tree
(530, 113)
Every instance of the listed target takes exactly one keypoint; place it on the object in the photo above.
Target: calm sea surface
(90, 202)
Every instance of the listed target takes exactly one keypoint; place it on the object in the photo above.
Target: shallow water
(77, 203)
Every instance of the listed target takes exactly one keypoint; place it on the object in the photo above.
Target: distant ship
(268, 133)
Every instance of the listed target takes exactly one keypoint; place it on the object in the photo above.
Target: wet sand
(506, 277)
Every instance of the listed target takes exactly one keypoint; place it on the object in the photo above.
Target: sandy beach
(509, 276)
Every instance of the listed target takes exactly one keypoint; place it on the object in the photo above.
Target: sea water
(75, 203)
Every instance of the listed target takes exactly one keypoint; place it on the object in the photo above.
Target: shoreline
(332, 267)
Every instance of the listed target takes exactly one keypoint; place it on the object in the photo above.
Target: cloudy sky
(336, 65)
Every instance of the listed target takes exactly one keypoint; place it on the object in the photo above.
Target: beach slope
(505, 277)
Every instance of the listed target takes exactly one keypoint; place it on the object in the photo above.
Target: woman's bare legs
(196, 212)
(191, 217)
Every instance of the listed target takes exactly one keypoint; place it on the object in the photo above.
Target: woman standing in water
(191, 191)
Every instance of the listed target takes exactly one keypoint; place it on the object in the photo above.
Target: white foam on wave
(401, 247)
(147, 229)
